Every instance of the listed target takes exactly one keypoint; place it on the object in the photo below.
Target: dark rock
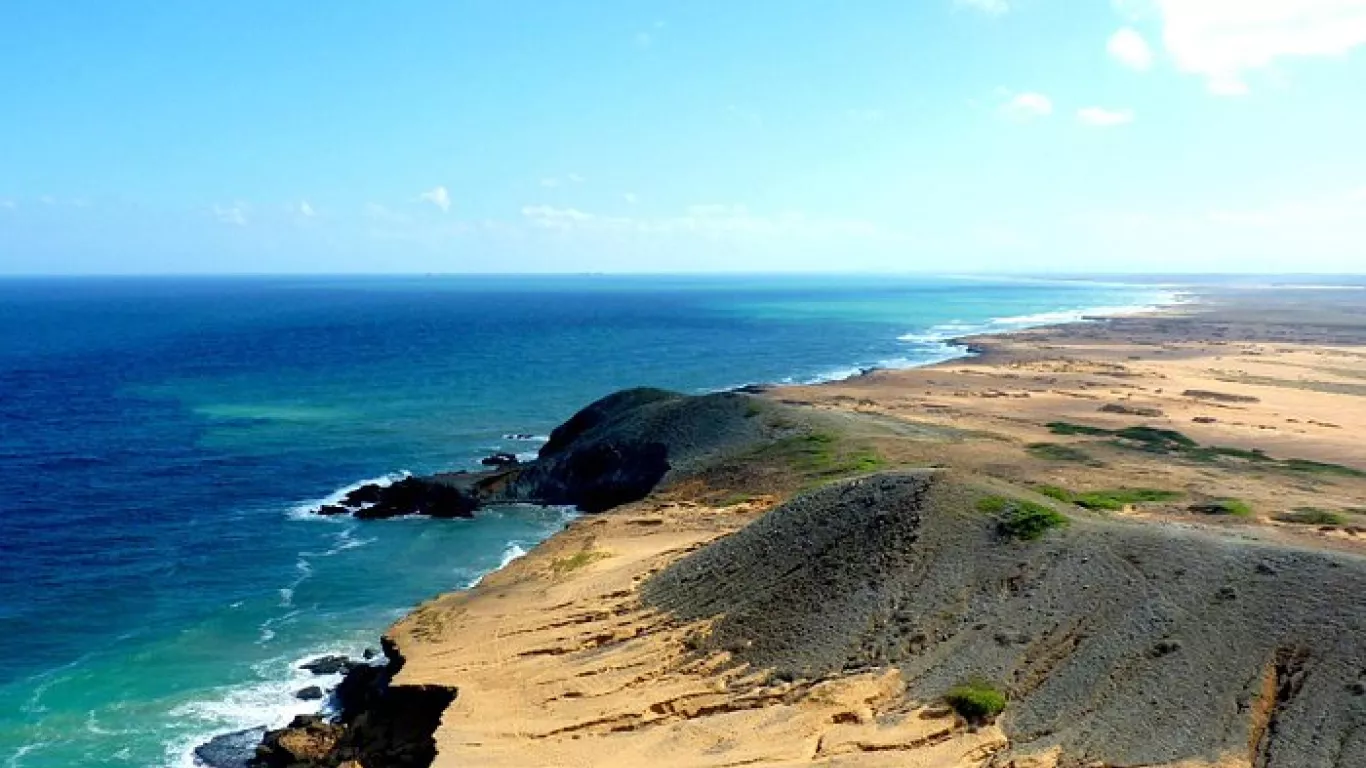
(1204, 420)
(366, 494)
(311, 693)
(231, 750)
(369, 654)
(1165, 648)
(1132, 410)
(328, 510)
(419, 496)
(329, 665)
(1219, 397)
(501, 460)
(753, 389)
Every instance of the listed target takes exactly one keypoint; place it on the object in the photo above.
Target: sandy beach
(1249, 405)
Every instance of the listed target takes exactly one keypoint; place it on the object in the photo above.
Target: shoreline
(957, 348)
(989, 349)
(533, 602)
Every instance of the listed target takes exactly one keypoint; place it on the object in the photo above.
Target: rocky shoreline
(373, 723)
(613, 452)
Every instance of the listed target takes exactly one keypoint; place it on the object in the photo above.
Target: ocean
(161, 439)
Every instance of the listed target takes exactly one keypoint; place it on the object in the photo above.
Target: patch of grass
(1157, 440)
(1068, 428)
(1058, 452)
(563, 565)
(1055, 492)
(1169, 441)
(1210, 453)
(820, 456)
(1110, 500)
(977, 701)
(1311, 516)
(1018, 519)
(733, 499)
(1320, 468)
(1234, 507)
(1113, 501)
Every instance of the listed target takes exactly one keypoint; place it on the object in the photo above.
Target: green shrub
(1029, 521)
(977, 701)
(993, 505)
(1019, 519)
(1311, 516)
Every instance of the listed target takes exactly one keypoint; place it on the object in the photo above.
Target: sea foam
(305, 510)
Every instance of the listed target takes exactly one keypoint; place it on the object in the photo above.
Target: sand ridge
(559, 663)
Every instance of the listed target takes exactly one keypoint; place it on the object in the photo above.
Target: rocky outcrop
(378, 725)
(501, 460)
(613, 452)
(329, 665)
(307, 741)
(230, 750)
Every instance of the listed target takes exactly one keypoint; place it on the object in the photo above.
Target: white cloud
(47, 200)
(438, 197)
(1100, 117)
(306, 210)
(550, 182)
(8, 204)
(1225, 40)
(644, 39)
(1027, 106)
(711, 220)
(235, 214)
(574, 178)
(630, 198)
(989, 7)
(1129, 48)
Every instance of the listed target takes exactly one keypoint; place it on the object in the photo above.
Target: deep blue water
(157, 437)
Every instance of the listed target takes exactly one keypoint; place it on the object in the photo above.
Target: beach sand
(559, 662)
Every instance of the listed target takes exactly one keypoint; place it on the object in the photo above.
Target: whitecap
(16, 760)
(513, 551)
(268, 701)
(306, 510)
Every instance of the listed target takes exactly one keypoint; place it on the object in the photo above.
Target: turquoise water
(160, 437)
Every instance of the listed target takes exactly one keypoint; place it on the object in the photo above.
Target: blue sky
(709, 135)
